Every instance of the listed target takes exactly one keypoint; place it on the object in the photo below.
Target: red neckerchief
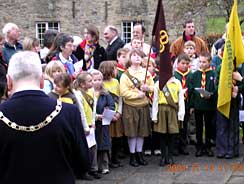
(83, 44)
(189, 37)
(120, 67)
(203, 80)
(183, 79)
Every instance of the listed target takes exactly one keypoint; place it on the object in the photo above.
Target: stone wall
(74, 14)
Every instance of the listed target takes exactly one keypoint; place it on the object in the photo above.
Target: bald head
(110, 32)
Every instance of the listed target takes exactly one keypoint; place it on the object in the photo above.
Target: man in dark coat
(114, 42)
(41, 139)
(12, 45)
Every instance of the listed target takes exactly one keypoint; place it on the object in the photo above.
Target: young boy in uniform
(203, 103)
(183, 74)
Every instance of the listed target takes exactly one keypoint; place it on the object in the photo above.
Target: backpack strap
(169, 98)
(88, 98)
(133, 79)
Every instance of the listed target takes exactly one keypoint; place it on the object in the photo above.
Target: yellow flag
(233, 50)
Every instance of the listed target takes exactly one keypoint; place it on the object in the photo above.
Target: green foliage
(217, 25)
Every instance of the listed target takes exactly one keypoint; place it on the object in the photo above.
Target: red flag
(162, 43)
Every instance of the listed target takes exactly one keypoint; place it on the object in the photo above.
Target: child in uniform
(136, 116)
(183, 74)
(109, 71)
(62, 89)
(168, 103)
(104, 100)
(86, 99)
(204, 106)
(122, 59)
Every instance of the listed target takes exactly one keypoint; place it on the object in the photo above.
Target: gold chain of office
(33, 128)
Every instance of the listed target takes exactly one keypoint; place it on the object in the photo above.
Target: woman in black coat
(90, 50)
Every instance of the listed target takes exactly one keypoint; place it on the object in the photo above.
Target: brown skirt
(167, 120)
(116, 128)
(136, 121)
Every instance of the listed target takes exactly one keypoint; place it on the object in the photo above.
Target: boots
(133, 161)
(163, 150)
(140, 159)
(169, 155)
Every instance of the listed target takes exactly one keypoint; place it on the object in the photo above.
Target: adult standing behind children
(89, 50)
(177, 46)
(41, 139)
(139, 32)
(114, 42)
(12, 35)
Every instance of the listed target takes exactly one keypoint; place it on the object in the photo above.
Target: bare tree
(226, 6)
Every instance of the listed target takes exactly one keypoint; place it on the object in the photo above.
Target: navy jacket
(9, 50)
(102, 131)
(112, 49)
(51, 155)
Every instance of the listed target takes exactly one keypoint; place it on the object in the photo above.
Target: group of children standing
(140, 106)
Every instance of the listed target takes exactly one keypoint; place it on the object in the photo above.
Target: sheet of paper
(78, 66)
(91, 141)
(203, 92)
(241, 115)
(107, 116)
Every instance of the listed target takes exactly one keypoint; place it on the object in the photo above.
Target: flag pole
(149, 55)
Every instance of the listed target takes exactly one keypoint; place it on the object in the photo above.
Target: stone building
(70, 16)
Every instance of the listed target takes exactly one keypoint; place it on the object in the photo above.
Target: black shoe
(198, 153)
(140, 160)
(175, 152)
(116, 161)
(86, 177)
(183, 152)
(121, 155)
(209, 152)
(169, 161)
(95, 174)
(113, 165)
(133, 161)
(220, 156)
(162, 162)
(228, 156)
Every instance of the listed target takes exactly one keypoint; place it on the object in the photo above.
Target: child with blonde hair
(83, 89)
(104, 101)
(51, 70)
(190, 50)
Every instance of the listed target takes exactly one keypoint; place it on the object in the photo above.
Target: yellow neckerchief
(183, 80)
(180, 72)
(65, 99)
(203, 80)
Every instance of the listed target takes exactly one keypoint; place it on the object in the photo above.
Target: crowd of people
(122, 79)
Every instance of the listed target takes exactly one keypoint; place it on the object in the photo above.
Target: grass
(217, 25)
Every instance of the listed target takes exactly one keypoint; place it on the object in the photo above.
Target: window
(41, 27)
(127, 30)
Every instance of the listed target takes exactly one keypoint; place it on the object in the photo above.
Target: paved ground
(188, 170)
